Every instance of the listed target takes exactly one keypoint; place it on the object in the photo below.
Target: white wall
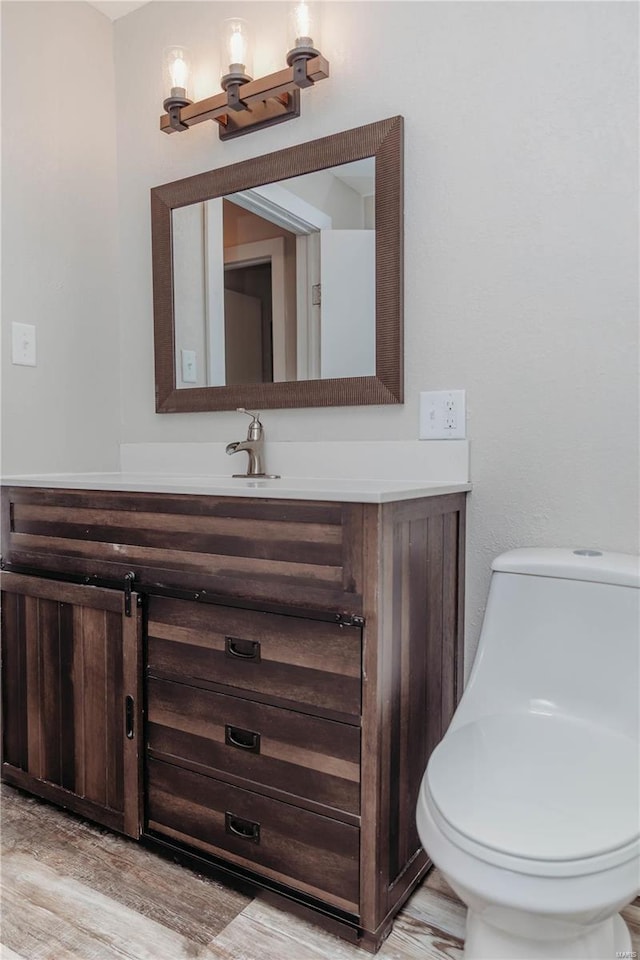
(59, 238)
(521, 246)
(520, 239)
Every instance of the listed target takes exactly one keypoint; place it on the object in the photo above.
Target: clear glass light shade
(236, 53)
(303, 25)
(176, 72)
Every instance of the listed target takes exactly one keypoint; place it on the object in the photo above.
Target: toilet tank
(561, 635)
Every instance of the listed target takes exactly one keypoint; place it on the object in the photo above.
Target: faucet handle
(256, 416)
(255, 427)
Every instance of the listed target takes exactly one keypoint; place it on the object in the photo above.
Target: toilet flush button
(588, 553)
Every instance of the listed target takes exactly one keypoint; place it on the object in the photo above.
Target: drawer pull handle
(242, 649)
(243, 739)
(237, 827)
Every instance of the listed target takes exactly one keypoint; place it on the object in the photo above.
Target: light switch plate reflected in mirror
(189, 370)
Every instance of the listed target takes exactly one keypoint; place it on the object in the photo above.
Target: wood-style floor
(72, 891)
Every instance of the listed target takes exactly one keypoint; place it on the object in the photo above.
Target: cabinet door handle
(237, 827)
(243, 739)
(128, 717)
(242, 649)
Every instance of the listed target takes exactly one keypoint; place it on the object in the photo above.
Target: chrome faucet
(254, 446)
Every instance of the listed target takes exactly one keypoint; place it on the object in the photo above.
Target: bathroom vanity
(248, 677)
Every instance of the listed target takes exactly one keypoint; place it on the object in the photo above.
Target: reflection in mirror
(277, 283)
(267, 292)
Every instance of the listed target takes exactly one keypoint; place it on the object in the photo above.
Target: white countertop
(284, 488)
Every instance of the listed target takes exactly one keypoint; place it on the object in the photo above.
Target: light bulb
(303, 30)
(236, 48)
(302, 24)
(177, 71)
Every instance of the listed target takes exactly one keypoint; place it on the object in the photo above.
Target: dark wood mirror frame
(384, 141)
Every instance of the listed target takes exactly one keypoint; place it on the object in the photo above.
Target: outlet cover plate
(443, 415)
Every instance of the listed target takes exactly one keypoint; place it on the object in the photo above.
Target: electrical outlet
(442, 415)
(450, 413)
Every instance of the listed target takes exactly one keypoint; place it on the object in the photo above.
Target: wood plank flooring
(73, 891)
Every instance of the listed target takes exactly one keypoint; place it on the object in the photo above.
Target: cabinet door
(72, 703)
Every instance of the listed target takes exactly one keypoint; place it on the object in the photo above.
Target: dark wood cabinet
(71, 693)
(302, 660)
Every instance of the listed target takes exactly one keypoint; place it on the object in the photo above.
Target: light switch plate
(23, 344)
(443, 415)
(189, 371)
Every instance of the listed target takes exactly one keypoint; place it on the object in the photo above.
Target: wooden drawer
(301, 759)
(309, 665)
(279, 552)
(312, 853)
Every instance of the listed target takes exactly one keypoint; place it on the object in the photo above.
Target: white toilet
(530, 805)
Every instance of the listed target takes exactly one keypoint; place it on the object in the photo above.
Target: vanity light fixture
(246, 104)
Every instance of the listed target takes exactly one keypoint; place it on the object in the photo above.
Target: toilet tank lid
(573, 563)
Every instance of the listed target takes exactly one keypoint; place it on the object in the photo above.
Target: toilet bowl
(530, 805)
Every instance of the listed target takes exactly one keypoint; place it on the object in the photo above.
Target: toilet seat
(486, 787)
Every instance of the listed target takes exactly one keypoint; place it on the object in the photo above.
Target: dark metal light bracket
(173, 106)
(249, 106)
(264, 113)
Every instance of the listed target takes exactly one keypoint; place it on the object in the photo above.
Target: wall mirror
(278, 281)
